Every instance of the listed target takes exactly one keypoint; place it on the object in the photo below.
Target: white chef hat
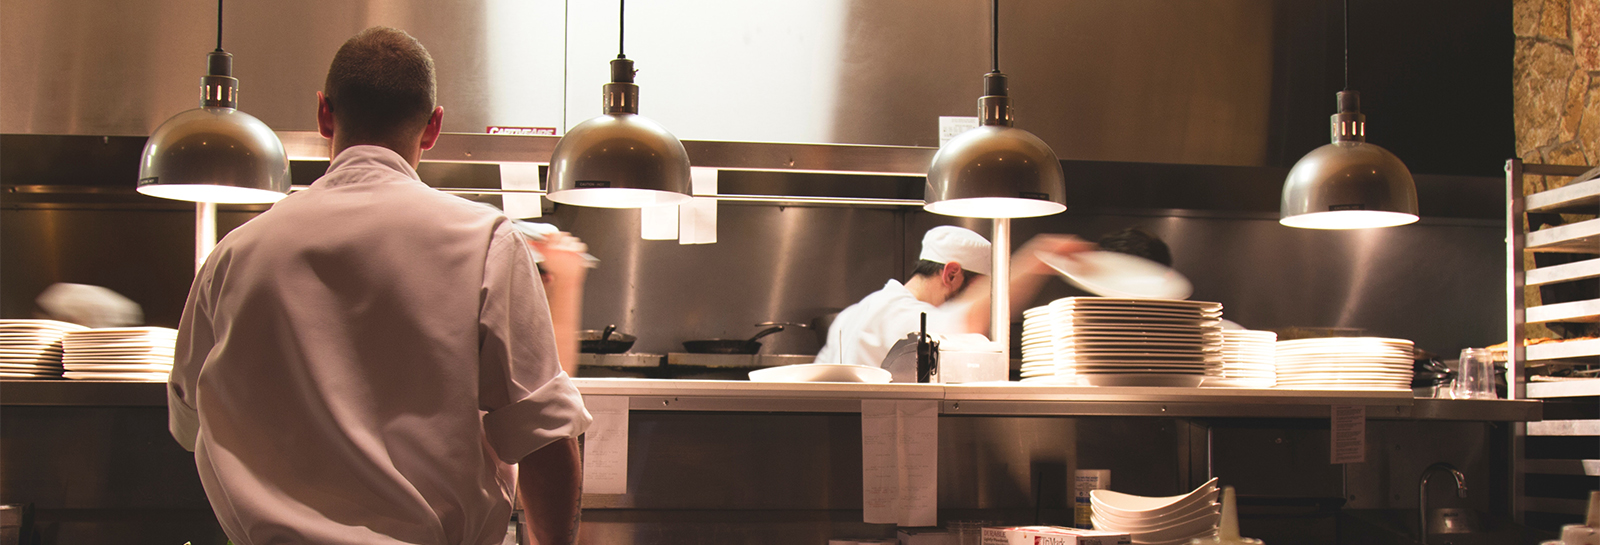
(948, 243)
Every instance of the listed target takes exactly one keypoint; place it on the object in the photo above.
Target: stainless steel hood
(1137, 80)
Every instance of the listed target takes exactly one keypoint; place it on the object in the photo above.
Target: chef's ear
(430, 133)
(324, 116)
(950, 272)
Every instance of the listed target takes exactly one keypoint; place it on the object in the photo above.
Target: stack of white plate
(31, 349)
(1345, 363)
(1248, 359)
(119, 353)
(1100, 341)
(1171, 520)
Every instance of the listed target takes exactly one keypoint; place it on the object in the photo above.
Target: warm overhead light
(619, 159)
(1348, 184)
(215, 153)
(995, 170)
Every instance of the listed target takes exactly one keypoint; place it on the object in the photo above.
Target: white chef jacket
(868, 329)
(364, 362)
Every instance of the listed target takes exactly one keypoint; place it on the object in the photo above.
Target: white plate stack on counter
(1171, 520)
(1249, 359)
(1101, 341)
(119, 353)
(31, 349)
(1345, 363)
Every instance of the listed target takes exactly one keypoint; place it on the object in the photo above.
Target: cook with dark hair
(372, 360)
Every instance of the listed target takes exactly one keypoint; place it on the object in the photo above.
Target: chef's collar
(365, 156)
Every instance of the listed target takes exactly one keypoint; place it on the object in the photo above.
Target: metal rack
(1581, 237)
(1581, 197)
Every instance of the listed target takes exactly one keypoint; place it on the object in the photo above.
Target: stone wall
(1556, 110)
(1556, 78)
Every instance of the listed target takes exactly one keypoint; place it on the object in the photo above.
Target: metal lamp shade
(619, 160)
(995, 171)
(214, 154)
(1348, 185)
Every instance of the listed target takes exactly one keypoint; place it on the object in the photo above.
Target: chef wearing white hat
(950, 284)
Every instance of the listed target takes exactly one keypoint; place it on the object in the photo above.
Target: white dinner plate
(1114, 274)
(822, 372)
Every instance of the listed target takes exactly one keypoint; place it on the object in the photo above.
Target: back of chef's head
(381, 87)
(947, 243)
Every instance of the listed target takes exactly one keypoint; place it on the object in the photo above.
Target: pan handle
(606, 334)
(789, 324)
(765, 332)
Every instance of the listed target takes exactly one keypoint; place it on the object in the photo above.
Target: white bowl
(1194, 528)
(1113, 522)
(1142, 507)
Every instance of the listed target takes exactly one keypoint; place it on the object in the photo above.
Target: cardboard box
(1051, 535)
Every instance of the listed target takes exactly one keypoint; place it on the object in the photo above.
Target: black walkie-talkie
(927, 354)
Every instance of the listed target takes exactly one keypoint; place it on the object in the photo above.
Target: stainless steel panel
(870, 72)
(146, 255)
(114, 67)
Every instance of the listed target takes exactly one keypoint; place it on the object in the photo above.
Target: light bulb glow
(617, 197)
(222, 194)
(1348, 219)
(995, 207)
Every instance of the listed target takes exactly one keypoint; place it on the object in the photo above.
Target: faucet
(1422, 495)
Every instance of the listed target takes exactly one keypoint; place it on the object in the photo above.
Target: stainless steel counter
(991, 399)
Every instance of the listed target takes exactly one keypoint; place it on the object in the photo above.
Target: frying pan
(607, 341)
(730, 346)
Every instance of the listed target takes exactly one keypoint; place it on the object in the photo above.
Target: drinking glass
(1474, 375)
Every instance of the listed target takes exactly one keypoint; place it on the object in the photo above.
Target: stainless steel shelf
(1564, 428)
(1573, 238)
(1574, 198)
(991, 399)
(737, 361)
(1563, 350)
(620, 360)
(760, 156)
(1564, 388)
(1562, 467)
(1576, 311)
(1566, 272)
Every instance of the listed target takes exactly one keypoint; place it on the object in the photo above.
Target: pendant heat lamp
(995, 170)
(619, 159)
(215, 153)
(1348, 184)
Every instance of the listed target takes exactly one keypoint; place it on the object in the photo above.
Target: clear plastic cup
(1474, 375)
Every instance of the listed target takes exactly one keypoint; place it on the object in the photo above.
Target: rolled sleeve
(194, 343)
(552, 412)
(529, 402)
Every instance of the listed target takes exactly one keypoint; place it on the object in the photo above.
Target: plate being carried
(1113, 274)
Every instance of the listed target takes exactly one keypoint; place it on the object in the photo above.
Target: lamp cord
(994, 34)
(621, 10)
(219, 25)
(1347, 45)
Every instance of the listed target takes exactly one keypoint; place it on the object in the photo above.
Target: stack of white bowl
(1248, 359)
(1172, 520)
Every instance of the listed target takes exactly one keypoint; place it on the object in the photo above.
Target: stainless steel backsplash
(69, 214)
